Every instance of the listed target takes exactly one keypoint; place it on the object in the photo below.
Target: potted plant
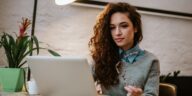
(16, 49)
(163, 78)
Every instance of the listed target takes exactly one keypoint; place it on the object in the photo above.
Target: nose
(118, 31)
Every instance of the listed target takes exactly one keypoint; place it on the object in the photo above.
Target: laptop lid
(62, 76)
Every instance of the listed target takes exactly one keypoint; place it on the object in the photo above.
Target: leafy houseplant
(163, 78)
(16, 49)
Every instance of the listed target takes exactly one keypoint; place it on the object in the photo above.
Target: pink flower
(23, 27)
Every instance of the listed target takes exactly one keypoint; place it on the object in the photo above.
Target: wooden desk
(15, 94)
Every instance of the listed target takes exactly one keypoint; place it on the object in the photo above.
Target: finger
(140, 90)
(129, 90)
(128, 94)
(98, 88)
(135, 90)
(132, 88)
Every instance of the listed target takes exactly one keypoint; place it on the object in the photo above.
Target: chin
(120, 45)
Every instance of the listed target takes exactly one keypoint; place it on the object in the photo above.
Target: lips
(119, 39)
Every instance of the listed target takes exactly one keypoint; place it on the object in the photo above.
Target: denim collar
(130, 55)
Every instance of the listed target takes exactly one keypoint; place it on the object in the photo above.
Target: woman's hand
(98, 88)
(133, 91)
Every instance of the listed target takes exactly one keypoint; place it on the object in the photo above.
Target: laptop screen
(62, 76)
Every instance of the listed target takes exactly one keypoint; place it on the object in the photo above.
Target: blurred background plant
(174, 74)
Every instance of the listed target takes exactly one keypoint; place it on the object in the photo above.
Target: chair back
(167, 89)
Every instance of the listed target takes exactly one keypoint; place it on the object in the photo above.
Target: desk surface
(15, 94)
(22, 94)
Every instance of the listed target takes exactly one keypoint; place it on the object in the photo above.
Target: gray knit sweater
(143, 72)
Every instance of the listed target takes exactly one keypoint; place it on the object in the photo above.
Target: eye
(124, 25)
(112, 27)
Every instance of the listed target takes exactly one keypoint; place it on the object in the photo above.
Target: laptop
(62, 76)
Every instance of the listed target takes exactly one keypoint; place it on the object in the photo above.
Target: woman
(121, 68)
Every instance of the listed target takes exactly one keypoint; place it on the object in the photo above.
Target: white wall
(67, 29)
(170, 39)
(171, 5)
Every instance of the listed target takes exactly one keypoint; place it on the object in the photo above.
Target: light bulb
(63, 2)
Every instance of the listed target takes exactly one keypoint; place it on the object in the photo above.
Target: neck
(129, 46)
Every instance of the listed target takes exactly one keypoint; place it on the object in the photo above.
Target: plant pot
(12, 79)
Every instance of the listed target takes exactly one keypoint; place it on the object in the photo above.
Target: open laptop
(62, 76)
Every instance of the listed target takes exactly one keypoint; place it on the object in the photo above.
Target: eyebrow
(123, 23)
(119, 23)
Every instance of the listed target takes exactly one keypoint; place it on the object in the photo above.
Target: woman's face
(122, 30)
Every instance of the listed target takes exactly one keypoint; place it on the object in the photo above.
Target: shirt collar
(130, 55)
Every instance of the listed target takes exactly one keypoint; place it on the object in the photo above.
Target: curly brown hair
(104, 51)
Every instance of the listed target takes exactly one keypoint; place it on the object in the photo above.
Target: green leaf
(36, 43)
(53, 53)
(20, 65)
(22, 47)
(11, 40)
(7, 46)
(27, 53)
